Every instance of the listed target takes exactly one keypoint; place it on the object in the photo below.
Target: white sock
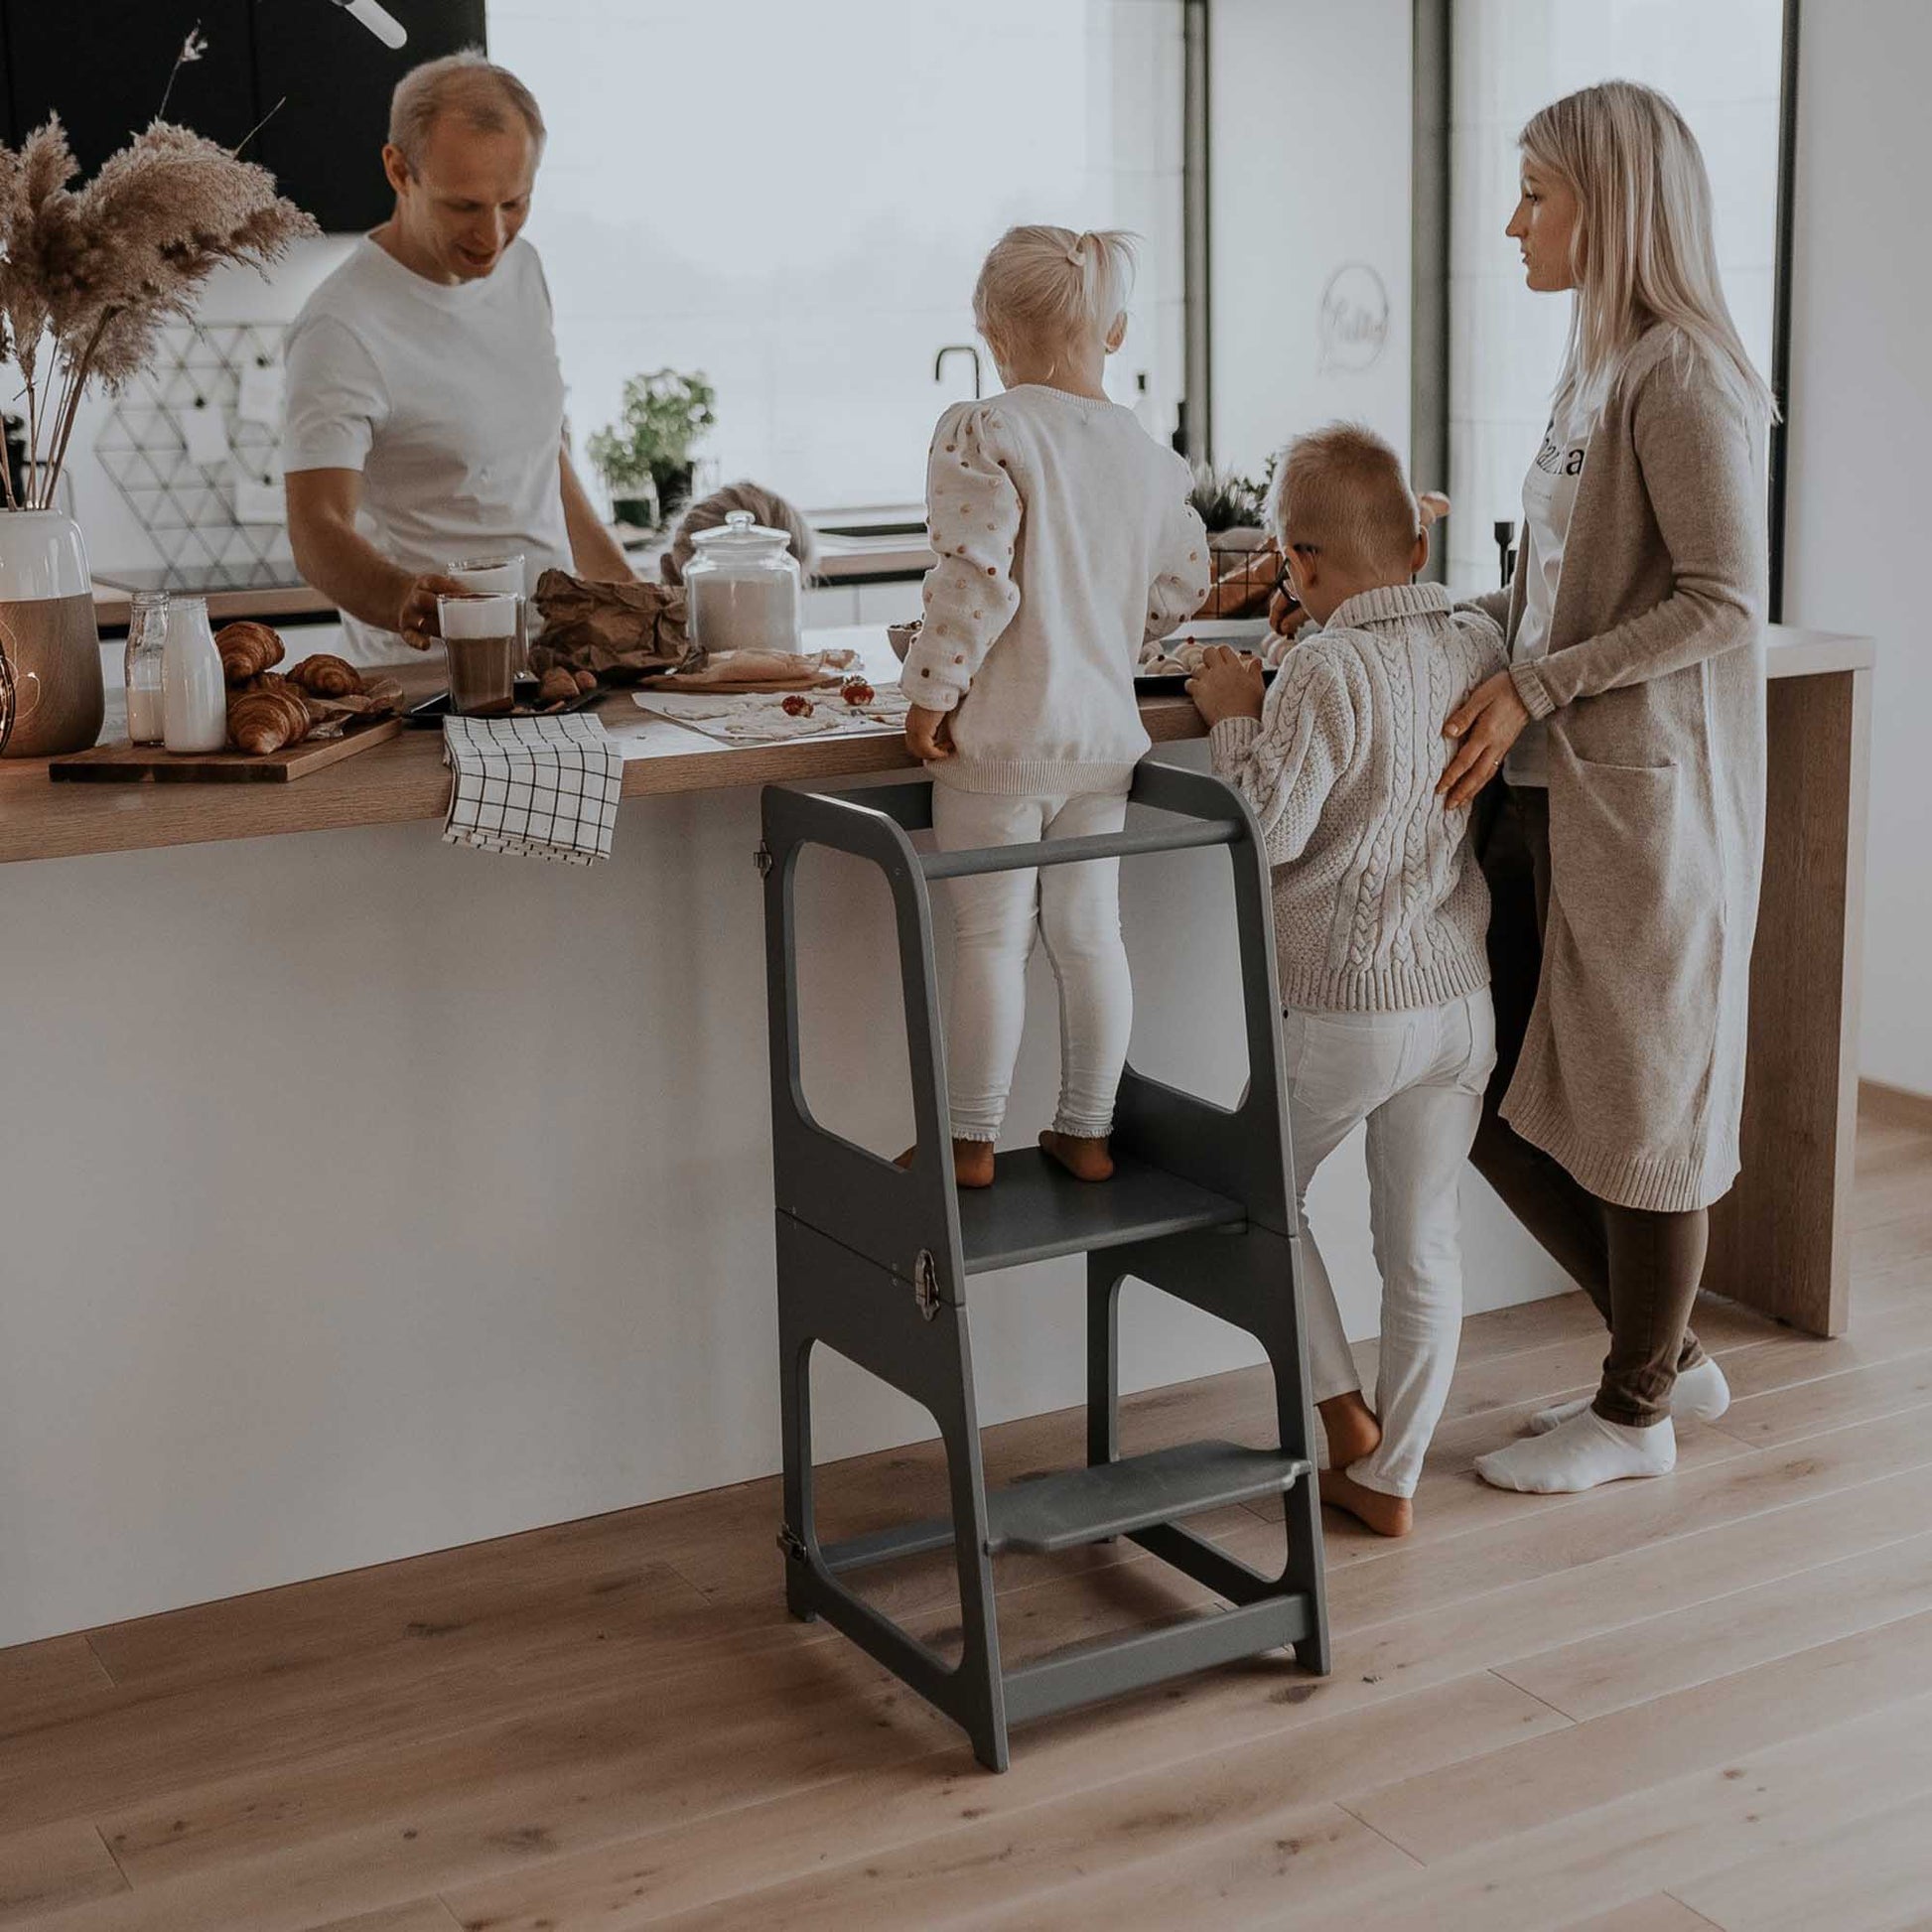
(1700, 1393)
(1581, 1454)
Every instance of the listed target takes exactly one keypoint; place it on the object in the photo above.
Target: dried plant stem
(32, 476)
(69, 412)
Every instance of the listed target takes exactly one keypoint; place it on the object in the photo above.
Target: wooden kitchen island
(365, 1196)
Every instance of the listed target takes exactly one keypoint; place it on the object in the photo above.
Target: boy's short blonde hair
(1341, 490)
(1045, 288)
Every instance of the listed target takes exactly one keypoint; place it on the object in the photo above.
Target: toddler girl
(1064, 540)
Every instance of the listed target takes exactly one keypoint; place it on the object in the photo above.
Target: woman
(1624, 856)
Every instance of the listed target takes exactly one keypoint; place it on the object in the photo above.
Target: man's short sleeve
(335, 400)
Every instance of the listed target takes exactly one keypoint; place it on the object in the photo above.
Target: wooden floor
(1702, 1701)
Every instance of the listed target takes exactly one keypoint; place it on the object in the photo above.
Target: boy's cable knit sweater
(1378, 903)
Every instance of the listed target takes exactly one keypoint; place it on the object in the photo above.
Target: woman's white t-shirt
(1549, 496)
(450, 401)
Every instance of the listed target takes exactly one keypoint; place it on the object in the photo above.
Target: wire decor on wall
(194, 446)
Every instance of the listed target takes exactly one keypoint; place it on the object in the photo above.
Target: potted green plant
(646, 453)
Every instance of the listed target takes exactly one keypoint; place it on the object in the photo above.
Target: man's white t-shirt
(1549, 496)
(449, 400)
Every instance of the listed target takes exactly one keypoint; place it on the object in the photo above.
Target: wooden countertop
(406, 779)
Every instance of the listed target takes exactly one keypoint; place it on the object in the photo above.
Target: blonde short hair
(1048, 288)
(485, 95)
(766, 507)
(1341, 490)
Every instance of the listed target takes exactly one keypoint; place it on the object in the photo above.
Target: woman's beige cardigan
(1632, 1072)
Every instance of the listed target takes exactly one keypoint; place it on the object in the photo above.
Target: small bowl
(901, 636)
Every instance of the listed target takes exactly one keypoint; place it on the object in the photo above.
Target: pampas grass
(89, 276)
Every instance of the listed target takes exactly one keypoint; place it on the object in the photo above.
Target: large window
(1720, 61)
(796, 199)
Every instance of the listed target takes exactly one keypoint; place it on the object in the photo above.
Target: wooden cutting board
(137, 763)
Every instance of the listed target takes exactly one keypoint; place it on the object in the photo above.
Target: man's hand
(417, 620)
(1228, 685)
(929, 734)
(1489, 722)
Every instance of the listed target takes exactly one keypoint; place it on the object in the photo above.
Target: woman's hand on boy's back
(929, 734)
(1486, 724)
(1227, 685)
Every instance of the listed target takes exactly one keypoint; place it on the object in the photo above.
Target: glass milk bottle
(147, 636)
(193, 692)
(742, 588)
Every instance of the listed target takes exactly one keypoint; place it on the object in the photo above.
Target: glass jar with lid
(741, 588)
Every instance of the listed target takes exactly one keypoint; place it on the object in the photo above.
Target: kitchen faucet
(958, 349)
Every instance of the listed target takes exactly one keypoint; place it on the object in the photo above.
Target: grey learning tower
(874, 1261)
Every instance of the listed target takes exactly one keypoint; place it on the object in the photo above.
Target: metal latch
(761, 858)
(925, 1284)
(792, 1544)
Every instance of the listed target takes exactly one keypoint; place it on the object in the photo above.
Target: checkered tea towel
(546, 786)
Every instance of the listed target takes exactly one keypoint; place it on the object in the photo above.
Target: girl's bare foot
(1350, 1426)
(1083, 1158)
(1385, 1515)
(972, 1164)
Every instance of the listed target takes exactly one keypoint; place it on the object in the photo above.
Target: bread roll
(326, 676)
(260, 721)
(247, 649)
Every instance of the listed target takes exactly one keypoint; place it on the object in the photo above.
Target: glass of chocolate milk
(479, 640)
(502, 573)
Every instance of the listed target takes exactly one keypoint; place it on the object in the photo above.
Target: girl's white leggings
(996, 914)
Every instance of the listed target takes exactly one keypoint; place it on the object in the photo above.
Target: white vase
(49, 636)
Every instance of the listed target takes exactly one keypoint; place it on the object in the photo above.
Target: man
(425, 401)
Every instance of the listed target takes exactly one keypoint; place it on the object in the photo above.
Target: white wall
(1860, 428)
(1308, 172)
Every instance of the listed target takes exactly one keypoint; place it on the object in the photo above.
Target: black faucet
(958, 349)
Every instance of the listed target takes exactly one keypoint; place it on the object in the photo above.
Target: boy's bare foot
(1385, 1515)
(1350, 1426)
(1083, 1158)
(972, 1164)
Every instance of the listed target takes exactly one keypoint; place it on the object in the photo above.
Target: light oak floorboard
(1516, 1790)
(1873, 1877)
(1730, 1633)
(1658, 1913)
(996, 1829)
(50, 1867)
(615, 1721)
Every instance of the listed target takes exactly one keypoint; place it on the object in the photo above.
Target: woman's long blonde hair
(1643, 251)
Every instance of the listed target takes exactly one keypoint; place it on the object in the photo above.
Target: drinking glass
(502, 574)
(479, 641)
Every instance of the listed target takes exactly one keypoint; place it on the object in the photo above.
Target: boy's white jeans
(1417, 1079)
(996, 917)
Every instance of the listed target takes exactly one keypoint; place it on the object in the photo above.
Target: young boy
(1380, 913)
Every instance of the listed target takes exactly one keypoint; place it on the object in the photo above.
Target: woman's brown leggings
(1641, 1269)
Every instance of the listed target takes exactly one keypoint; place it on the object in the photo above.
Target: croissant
(246, 651)
(326, 676)
(260, 721)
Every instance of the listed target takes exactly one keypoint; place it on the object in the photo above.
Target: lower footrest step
(1076, 1506)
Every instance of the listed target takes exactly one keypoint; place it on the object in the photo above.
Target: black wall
(103, 65)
